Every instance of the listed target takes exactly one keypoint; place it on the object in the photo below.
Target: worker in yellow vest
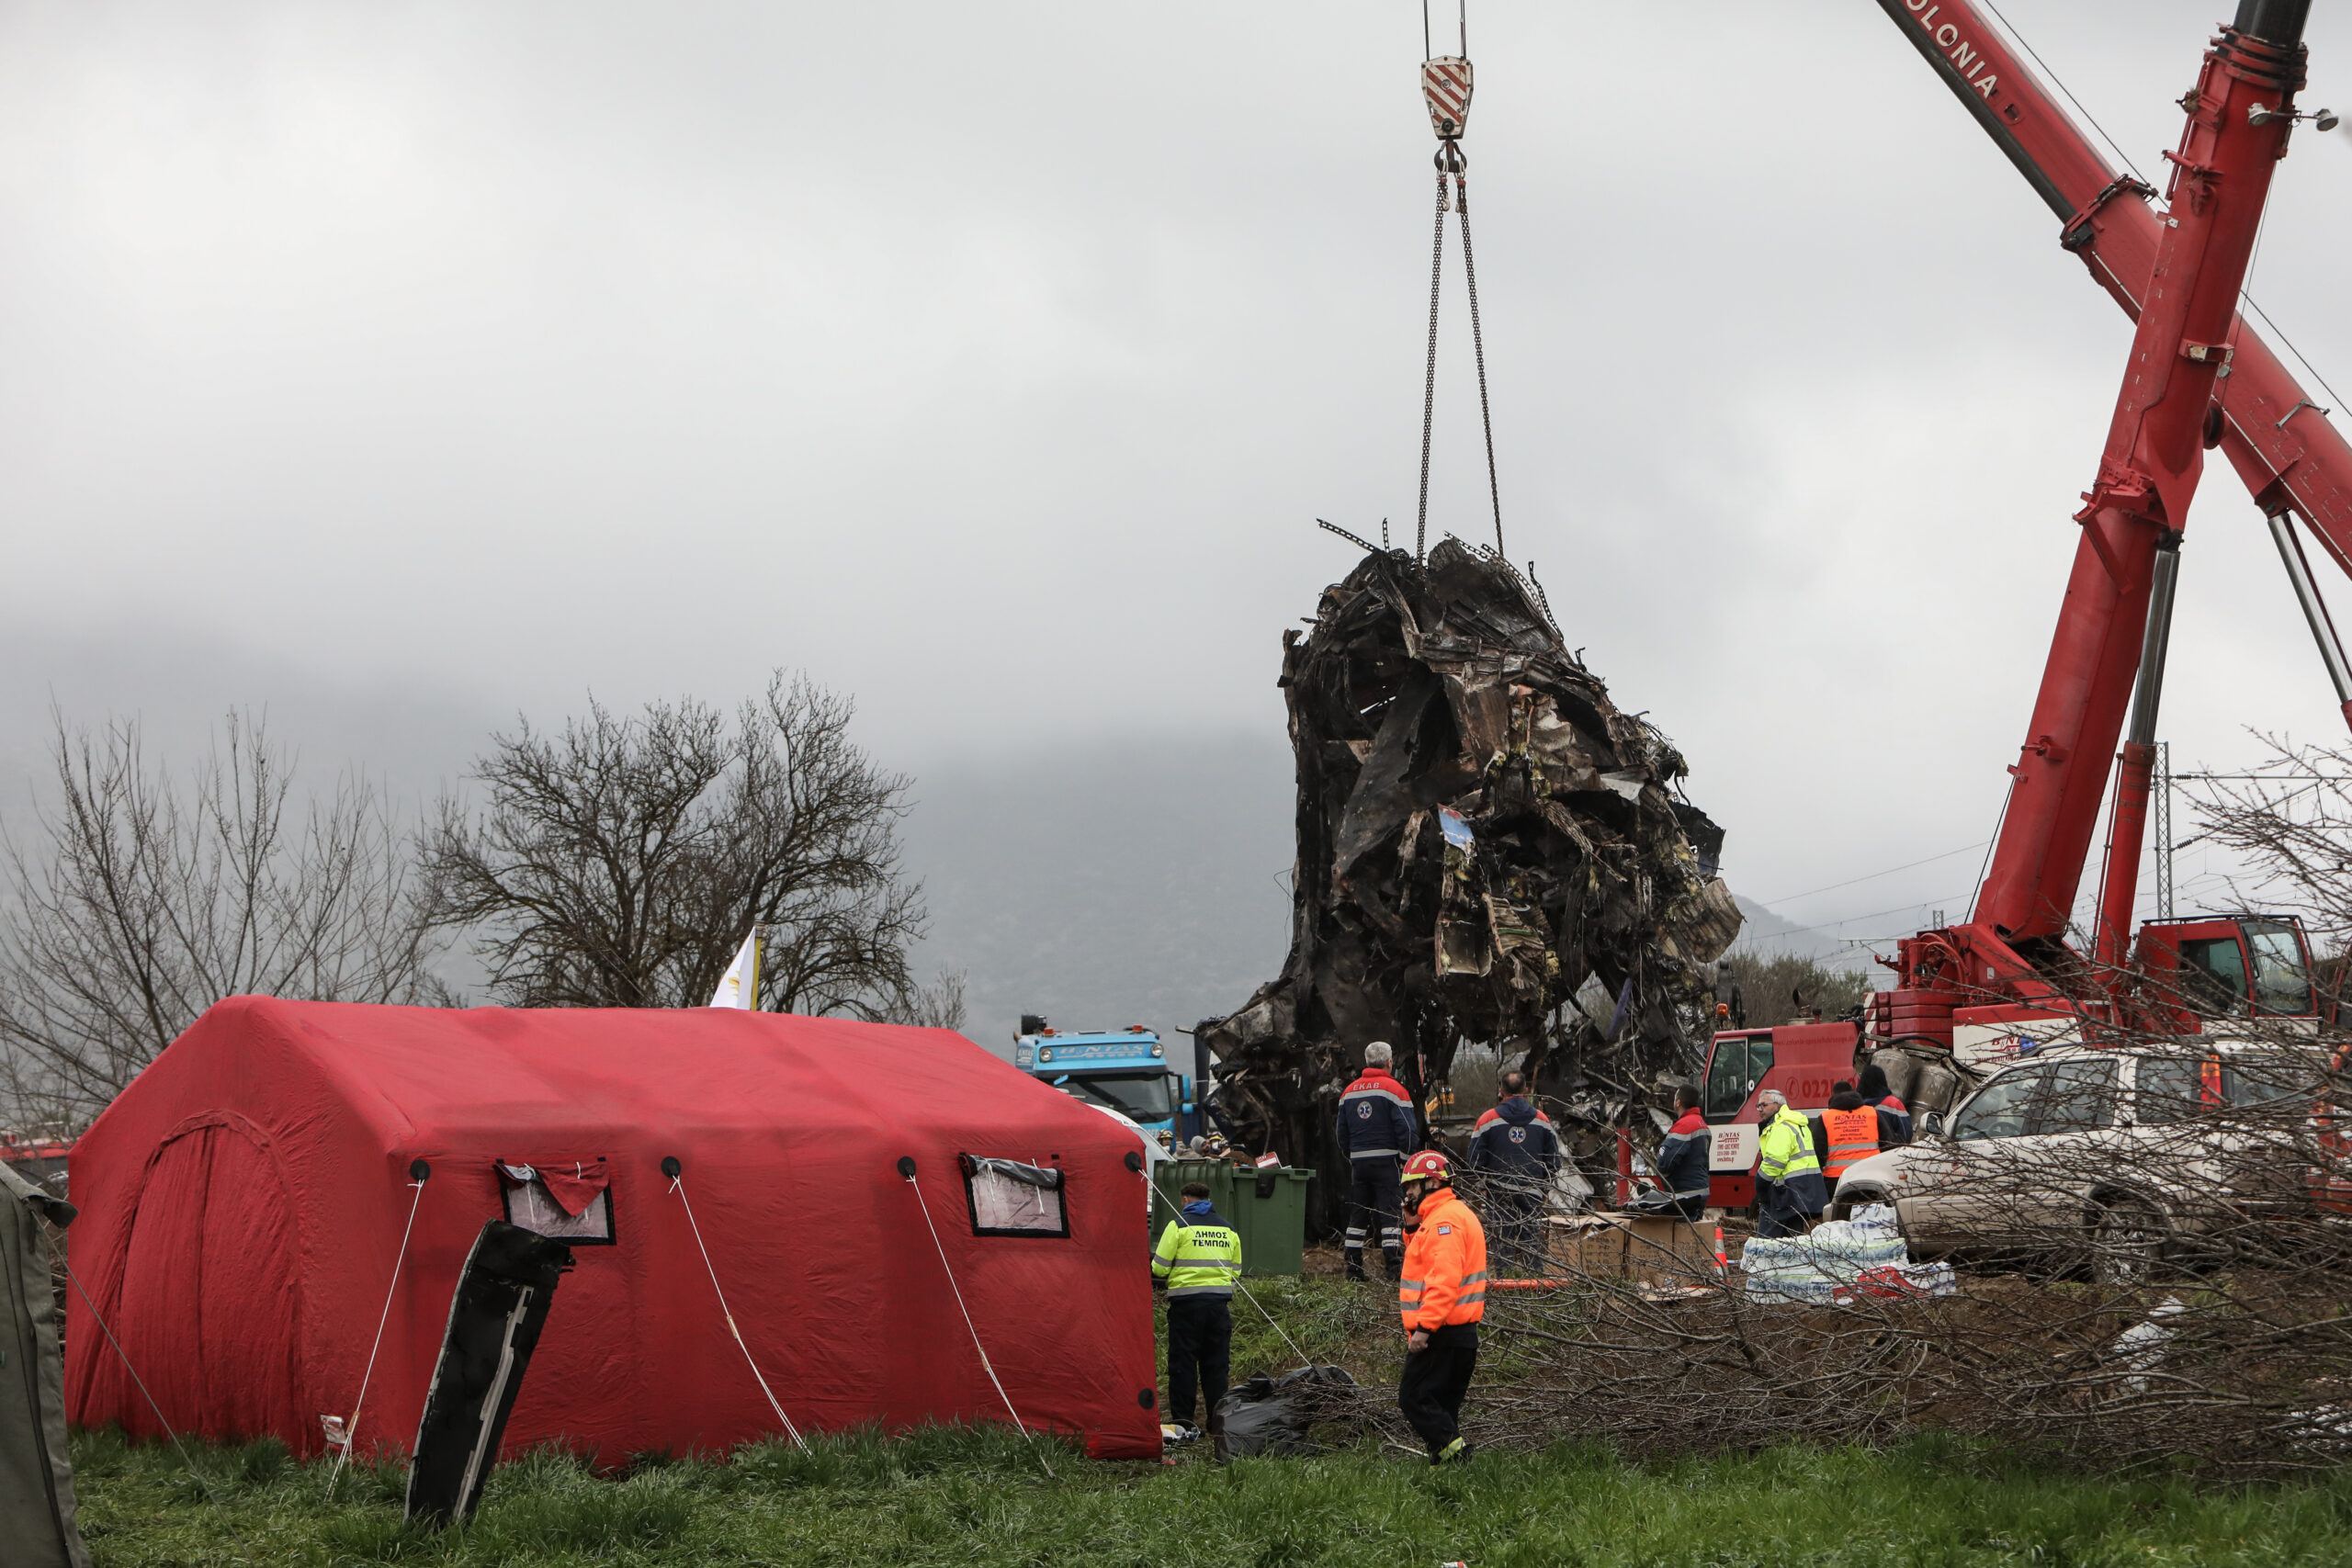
(1789, 1191)
(1198, 1258)
(1850, 1129)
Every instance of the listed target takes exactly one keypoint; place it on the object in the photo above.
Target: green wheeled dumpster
(1266, 1204)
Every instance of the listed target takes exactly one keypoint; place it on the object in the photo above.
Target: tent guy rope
(678, 1185)
(100, 1318)
(420, 1171)
(906, 1169)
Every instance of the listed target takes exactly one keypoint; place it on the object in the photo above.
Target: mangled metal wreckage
(1489, 850)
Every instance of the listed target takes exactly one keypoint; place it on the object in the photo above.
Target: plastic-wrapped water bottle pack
(1840, 1260)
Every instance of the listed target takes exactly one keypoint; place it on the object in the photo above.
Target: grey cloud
(991, 362)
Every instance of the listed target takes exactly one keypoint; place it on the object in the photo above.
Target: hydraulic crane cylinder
(2120, 885)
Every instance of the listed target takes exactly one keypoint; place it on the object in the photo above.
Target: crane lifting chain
(1446, 88)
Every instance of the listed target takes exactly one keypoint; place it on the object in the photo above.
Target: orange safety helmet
(1429, 1165)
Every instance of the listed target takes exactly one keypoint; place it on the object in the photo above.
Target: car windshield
(1144, 1096)
(2281, 984)
(1997, 1111)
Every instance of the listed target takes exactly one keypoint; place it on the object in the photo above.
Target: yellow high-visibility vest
(1785, 1147)
(1196, 1260)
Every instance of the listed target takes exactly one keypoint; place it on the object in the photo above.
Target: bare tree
(2291, 822)
(939, 1005)
(144, 900)
(621, 862)
(1786, 988)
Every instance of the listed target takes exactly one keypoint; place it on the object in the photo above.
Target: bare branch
(619, 863)
(140, 902)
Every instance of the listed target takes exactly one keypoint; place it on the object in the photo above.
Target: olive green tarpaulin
(36, 1478)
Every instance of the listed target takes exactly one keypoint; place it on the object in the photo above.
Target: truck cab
(1803, 1061)
(1126, 1070)
(2218, 967)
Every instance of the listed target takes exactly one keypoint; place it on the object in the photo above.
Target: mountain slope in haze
(1102, 883)
(1121, 882)
(1837, 945)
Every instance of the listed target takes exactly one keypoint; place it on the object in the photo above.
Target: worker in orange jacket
(1442, 1297)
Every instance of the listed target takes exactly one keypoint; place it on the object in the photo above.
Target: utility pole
(2164, 829)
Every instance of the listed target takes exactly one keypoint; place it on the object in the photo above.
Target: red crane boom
(2285, 450)
(2197, 377)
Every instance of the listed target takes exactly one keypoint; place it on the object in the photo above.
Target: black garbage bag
(1271, 1416)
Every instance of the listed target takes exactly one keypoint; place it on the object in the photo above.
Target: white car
(2107, 1158)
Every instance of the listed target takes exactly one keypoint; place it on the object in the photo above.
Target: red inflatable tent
(244, 1200)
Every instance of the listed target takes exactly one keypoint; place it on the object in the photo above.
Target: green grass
(948, 1497)
(1329, 1321)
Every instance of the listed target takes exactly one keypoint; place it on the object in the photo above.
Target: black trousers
(1779, 1211)
(1199, 1349)
(1376, 1205)
(1514, 1226)
(1435, 1380)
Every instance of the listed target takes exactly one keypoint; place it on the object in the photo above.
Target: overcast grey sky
(992, 362)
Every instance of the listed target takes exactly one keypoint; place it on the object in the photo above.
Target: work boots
(1394, 1263)
(1355, 1266)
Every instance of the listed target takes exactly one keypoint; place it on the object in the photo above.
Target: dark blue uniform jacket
(1377, 1118)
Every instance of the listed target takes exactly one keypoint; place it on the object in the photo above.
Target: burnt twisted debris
(1489, 850)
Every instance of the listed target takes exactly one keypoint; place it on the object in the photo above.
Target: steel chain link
(1450, 161)
(1429, 379)
(1478, 348)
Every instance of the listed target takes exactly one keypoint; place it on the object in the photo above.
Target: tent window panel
(532, 1206)
(1009, 1198)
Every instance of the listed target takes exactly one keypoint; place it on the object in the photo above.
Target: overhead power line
(1833, 925)
(1872, 876)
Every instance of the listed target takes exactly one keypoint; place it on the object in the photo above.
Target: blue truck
(1125, 1069)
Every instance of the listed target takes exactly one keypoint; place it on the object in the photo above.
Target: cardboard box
(1652, 1249)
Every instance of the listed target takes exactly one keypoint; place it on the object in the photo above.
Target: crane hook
(1445, 87)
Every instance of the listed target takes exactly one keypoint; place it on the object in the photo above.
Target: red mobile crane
(2198, 377)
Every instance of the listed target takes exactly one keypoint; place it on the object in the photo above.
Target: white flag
(740, 987)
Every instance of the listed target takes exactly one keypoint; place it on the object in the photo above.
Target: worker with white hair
(1788, 1188)
(1378, 1129)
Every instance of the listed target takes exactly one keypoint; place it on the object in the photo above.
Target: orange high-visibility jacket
(1444, 1278)
(1852, 1136)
